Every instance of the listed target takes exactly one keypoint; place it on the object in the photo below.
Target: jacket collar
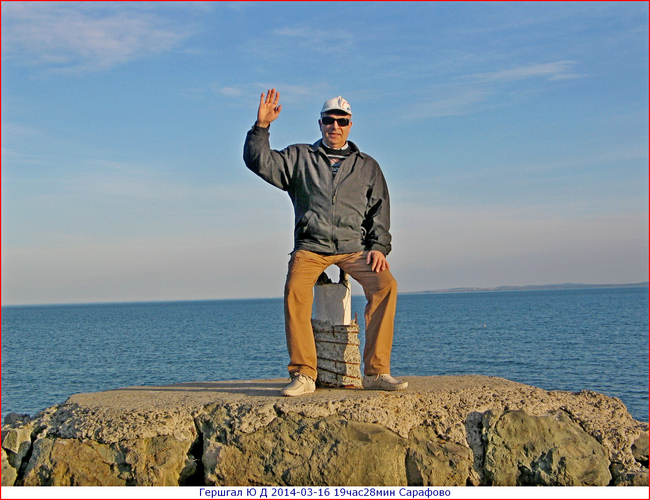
(317, 145)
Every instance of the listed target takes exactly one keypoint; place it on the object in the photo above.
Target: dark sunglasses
(328, 120)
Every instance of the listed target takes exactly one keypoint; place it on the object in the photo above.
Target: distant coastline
(506, 288)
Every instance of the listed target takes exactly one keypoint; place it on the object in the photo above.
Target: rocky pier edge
(442, 431)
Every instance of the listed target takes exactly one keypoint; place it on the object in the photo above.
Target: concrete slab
(199, 394)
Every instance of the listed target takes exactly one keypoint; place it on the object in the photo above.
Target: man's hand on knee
(377, 261)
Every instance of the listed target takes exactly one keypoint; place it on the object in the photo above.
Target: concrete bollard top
(333, 301)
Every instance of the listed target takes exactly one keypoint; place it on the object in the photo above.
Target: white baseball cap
(336, 104)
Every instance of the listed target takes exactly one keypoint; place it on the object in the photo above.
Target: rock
(9, 473)
(16, 444)
(549, 450)
(304, 451)
(626, 477)
(630, 476)
(443, 431)
(14, 418)
(161, 461)
(431, 461)
(640, 449)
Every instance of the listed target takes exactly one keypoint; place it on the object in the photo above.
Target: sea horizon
(500, 288)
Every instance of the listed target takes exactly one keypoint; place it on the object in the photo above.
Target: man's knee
(295, 289)
(389, 283)
(299, 287)
(383, 282)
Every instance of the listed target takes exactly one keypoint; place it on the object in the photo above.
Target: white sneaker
(383, 382)
(300, 384)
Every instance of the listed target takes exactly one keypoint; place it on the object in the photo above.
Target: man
(342, 217)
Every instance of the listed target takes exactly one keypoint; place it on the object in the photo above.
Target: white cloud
(474, 92)
(315, 39)
(551, 71)
(231, 91)
(73, 37)
(456, 102)
(289, 93)
(305, 44)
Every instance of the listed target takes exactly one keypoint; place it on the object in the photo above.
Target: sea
(568, 339)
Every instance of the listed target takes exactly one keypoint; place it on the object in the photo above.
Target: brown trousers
(381, 293)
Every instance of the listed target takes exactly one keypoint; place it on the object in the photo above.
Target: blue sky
(513, 136)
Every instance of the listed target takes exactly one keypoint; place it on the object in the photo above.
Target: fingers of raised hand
(272, 97)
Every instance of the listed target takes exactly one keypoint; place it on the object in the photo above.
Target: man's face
(334, 135)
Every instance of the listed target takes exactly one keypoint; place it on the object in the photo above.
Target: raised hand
(269, 109)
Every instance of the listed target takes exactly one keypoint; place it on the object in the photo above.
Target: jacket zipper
(333, 213)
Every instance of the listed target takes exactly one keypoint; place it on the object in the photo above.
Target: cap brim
(335, 110)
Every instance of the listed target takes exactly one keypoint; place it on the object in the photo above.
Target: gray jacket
(333, 215)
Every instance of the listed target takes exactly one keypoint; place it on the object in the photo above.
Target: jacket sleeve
(377, 219)
(272, 166)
